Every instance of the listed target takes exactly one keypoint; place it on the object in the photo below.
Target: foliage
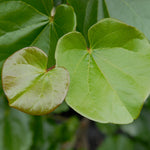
(32, 27)
(108, 62)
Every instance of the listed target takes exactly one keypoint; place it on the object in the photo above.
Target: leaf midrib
(115, 92)
(33, 82)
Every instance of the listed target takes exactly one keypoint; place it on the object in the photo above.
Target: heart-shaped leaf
(111, 80)
(133, 12)
(29, 86)
(21, 25)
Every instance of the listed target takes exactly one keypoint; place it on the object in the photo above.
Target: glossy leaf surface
(110, 80)
(23, 25)
(29, 86)
(135, 13)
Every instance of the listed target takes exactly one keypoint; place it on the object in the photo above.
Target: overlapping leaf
(29, 86)
(23, 25)
(110, 80)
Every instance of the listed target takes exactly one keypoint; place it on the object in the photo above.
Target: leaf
(15, 128)
(135, 13)
(21, 25)
(31, 88)
(110, 80)
(44, 6)
(88, 13)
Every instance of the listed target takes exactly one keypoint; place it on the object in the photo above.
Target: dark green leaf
(44, 6)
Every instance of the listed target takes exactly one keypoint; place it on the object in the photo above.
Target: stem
(50, 68)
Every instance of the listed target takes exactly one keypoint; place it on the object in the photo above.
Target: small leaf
(31, 88)
(110, 80)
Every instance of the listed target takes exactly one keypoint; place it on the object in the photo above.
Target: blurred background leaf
(135, 13)
(117, 143)
(15, 130)
(53, 134)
